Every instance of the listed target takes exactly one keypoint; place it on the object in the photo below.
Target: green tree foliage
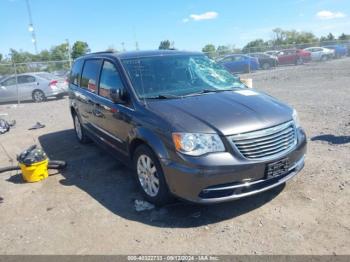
(289, 37)
(80, 48)
(344, 37)
(330, 37)
(165, 45)
(0, 57)
(59, 52)
(210, 50)
(223, 50)
(258, 45)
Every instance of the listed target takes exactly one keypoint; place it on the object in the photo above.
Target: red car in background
(293, 56)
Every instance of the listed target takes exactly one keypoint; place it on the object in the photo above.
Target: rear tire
(80, 131)
(266, 66)
(150, 177)
(60, 96)
(38, 96)
(324, 58)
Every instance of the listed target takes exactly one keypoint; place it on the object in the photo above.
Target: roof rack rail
(102, 52)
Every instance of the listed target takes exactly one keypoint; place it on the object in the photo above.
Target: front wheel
(299, 61)
(38, 96)
(79, 130)
(324, 58)
(150, 177)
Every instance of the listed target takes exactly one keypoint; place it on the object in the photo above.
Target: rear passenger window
(25, 79)
(110, 79)
(89, 76)
(74, 77)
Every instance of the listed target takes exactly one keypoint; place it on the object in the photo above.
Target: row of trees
(56, 53)
(279, 38)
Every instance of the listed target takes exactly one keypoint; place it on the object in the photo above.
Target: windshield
(178, 76)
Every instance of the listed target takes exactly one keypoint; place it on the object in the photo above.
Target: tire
(247, 70)
(324, 58)
(60, 96)
(79, 130)
(266, 66)
(150, 177)
(38, 96)
(299, 61)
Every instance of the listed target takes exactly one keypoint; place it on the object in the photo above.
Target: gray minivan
(187, 126)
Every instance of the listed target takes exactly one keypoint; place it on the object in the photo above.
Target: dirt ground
(89, 207)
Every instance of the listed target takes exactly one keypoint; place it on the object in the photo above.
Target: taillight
(53, 82)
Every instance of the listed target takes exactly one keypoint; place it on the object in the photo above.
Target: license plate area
(277, 168)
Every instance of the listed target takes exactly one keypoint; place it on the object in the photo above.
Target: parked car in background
(32, 86)
(186, 126)
(339, 50)
(61, 73)
(266, 61)
(273, 52)
(320, 53)
(240, 63)
(293, 56)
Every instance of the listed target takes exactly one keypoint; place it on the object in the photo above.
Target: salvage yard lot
(89, 207)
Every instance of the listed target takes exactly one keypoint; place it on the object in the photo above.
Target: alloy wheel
(147, 175)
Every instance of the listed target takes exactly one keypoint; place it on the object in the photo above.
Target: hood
(226, 113)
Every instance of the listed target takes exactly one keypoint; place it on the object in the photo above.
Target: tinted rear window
(90, 73)
(74, 77)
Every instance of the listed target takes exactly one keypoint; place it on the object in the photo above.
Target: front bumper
(230, 178)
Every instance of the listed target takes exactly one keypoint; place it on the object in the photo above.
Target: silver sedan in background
(32, 86)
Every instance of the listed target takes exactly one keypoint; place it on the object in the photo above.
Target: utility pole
(31, 27)
(69, 53)
(123, 46)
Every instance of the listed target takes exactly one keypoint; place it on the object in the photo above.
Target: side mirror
(118, 95)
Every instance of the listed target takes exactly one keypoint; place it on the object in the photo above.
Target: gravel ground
(89, 208)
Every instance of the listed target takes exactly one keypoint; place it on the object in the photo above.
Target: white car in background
(320, 53)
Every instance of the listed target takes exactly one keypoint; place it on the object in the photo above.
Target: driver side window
(110, 79)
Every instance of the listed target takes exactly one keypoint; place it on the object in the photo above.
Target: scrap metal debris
(5, 125)
(38, 125)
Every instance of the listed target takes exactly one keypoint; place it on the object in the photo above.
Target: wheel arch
(143, 136)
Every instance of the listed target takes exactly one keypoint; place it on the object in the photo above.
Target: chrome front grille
(266, 143)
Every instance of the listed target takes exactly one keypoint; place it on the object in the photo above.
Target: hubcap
(38, 96)
(78, 128)
(147, 175)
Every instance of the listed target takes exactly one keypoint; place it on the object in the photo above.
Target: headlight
(296, 118)
(197, 144)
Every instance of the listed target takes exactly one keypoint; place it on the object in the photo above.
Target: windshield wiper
(163, 96)
(207, 91)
